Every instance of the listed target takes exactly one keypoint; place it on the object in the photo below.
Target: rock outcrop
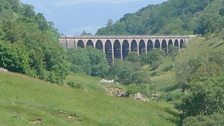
(3, 70)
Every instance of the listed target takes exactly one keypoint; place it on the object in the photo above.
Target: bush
(134, 88)
(154, 73)
(132, 57)
(74, 85)
(127, 73)
(215, 119)
(205, 97)
(167, 68)
(172, 51)
(173, 96)
(154, 58)
(14, 58)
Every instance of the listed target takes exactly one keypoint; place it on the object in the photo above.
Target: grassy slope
(199, 47)
(202, 47)
(25, 100)
(165, 82)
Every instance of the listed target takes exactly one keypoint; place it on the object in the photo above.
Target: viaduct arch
(118, 47)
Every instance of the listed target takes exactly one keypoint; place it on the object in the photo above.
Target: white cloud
(67, 3)
(61, 3)
(78, 30)
(76, 2)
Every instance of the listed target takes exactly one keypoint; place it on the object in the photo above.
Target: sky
(71, 17)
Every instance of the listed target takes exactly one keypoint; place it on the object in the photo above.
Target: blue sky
(71, 17)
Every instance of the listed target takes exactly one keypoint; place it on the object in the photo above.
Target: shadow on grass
(172, 88)
(176, 115)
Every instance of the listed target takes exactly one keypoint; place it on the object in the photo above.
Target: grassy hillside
(26, 101)
(199, 71)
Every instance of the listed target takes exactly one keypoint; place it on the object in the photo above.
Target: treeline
(173, 17)
(129, 71)
(29, 44)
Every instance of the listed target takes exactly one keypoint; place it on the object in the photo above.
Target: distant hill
(170, 18)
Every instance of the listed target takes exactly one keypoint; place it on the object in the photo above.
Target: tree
(79, 59)
(14, 58)
(28, 11)
(132, 57)
(109, 22)
(172, 52)
(99, 65)
(221, 11)
(41, 21)
(126, 73)
(89, 60)
(154, 58)
(209, 23)
(84, 33)
(205, 97)
(187, 72)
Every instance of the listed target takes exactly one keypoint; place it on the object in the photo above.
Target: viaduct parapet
(119, 46)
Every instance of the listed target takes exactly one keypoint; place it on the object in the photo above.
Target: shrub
(126, 73)
(134, 88)
(132, 57)
(14, 58)
(215, 119)
(74, 85)
(154, 58)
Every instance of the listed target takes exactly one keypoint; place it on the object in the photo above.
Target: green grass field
(26, 101)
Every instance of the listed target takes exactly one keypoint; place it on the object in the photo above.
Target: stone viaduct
(119, 46)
